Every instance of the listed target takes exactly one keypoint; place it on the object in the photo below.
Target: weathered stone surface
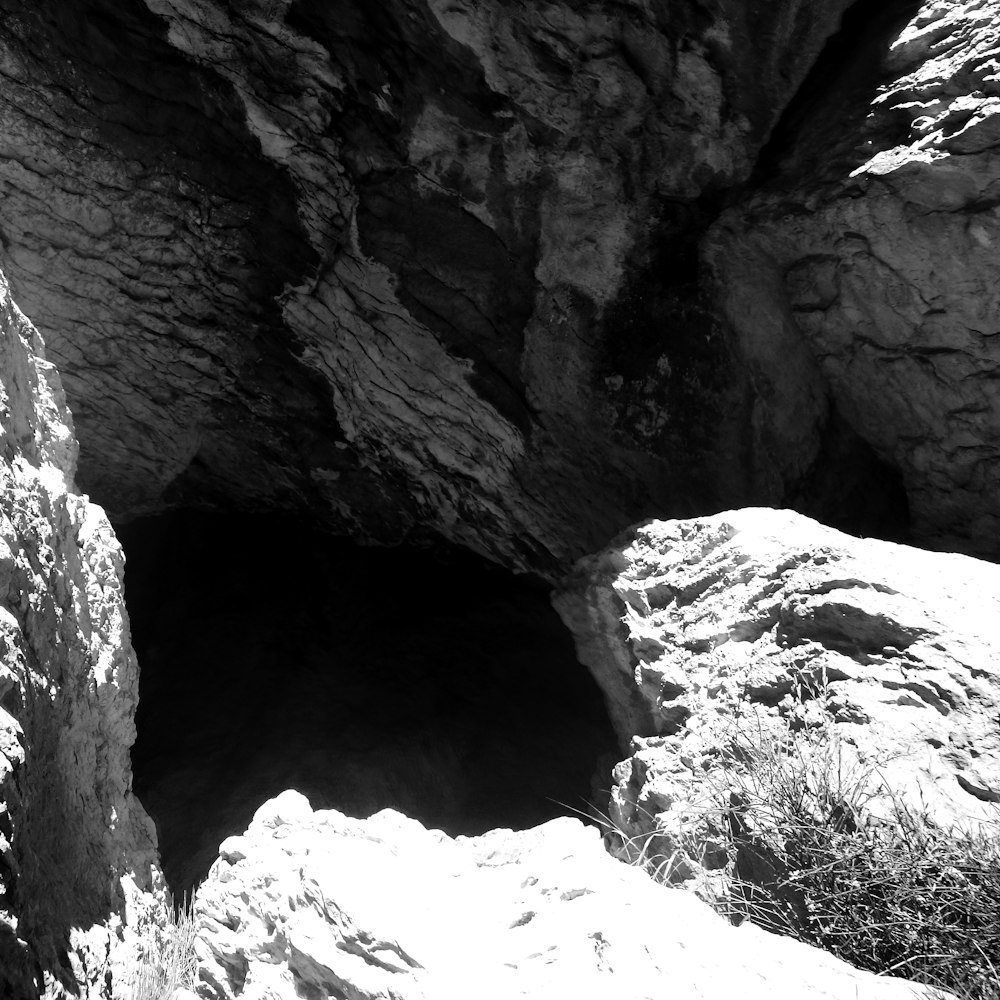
(315, 904)
(442, 268)
(873, 240)
(75, 847)
(751, 623)
(419, 267)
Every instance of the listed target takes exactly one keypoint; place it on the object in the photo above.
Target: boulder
(760, 626)
(314, 904)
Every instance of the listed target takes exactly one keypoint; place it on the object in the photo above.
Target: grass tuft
(165, 960)
(887, 890)
(896, 896)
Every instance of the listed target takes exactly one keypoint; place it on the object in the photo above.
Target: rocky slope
(316, 904)
(76, 848)
(760, 626)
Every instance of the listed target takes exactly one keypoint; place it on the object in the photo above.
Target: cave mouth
(273, 656)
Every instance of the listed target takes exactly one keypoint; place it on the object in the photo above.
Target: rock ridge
(315, 903)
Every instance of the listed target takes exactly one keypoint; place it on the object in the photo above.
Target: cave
(370, 328)
(274, 656)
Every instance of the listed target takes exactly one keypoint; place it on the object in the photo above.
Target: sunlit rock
(315, 904)
(76, 848)
(744, 628)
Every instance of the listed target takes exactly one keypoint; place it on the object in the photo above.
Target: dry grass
(166, 959)
(898, 896)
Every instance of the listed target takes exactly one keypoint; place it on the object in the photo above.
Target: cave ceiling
(488, 272)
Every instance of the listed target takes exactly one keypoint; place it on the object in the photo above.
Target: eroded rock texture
(755, 624)
(873, 236)
(514, 276)
(75, 846)
(460, 268)
(417, 267)
(315, 904)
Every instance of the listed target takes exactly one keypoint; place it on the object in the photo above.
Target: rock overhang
(377, 271)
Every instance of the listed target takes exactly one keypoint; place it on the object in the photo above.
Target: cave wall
(76, 849)
(420, 269)
(513, 277)
(872, 234)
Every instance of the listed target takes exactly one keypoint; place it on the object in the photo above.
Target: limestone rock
(413, 268)
(872, 237)
(315, 904)
(459, 269)
(76, 848)
(755, 623)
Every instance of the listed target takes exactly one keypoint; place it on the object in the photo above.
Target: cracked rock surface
(316, 904)
(875, 236)
(757, 624)
(420, 268)
(76, 847)
(515, 276)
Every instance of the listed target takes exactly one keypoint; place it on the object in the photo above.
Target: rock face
(873, 238)
(515, 277)
(316, 904)
(510, 276)
(758, 622)
(75, 847)
(430, 268)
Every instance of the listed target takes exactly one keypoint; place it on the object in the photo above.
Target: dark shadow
(274, 657)
(851, 489)
(824, 122)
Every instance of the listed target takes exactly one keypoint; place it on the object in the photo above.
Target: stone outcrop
(515, 276)
(76, 848)
(754, 624)
(872, 238)
(425, 268)
(511, 277)
(315, 904)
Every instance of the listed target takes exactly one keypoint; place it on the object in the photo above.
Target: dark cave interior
(274, 657)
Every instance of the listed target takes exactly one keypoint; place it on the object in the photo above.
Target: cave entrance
(273, 657)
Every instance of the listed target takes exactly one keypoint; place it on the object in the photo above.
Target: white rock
(288, 807)
(384, 908)
(741, 624)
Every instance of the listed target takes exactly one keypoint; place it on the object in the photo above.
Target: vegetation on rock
(813, 854)
(165, 960)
